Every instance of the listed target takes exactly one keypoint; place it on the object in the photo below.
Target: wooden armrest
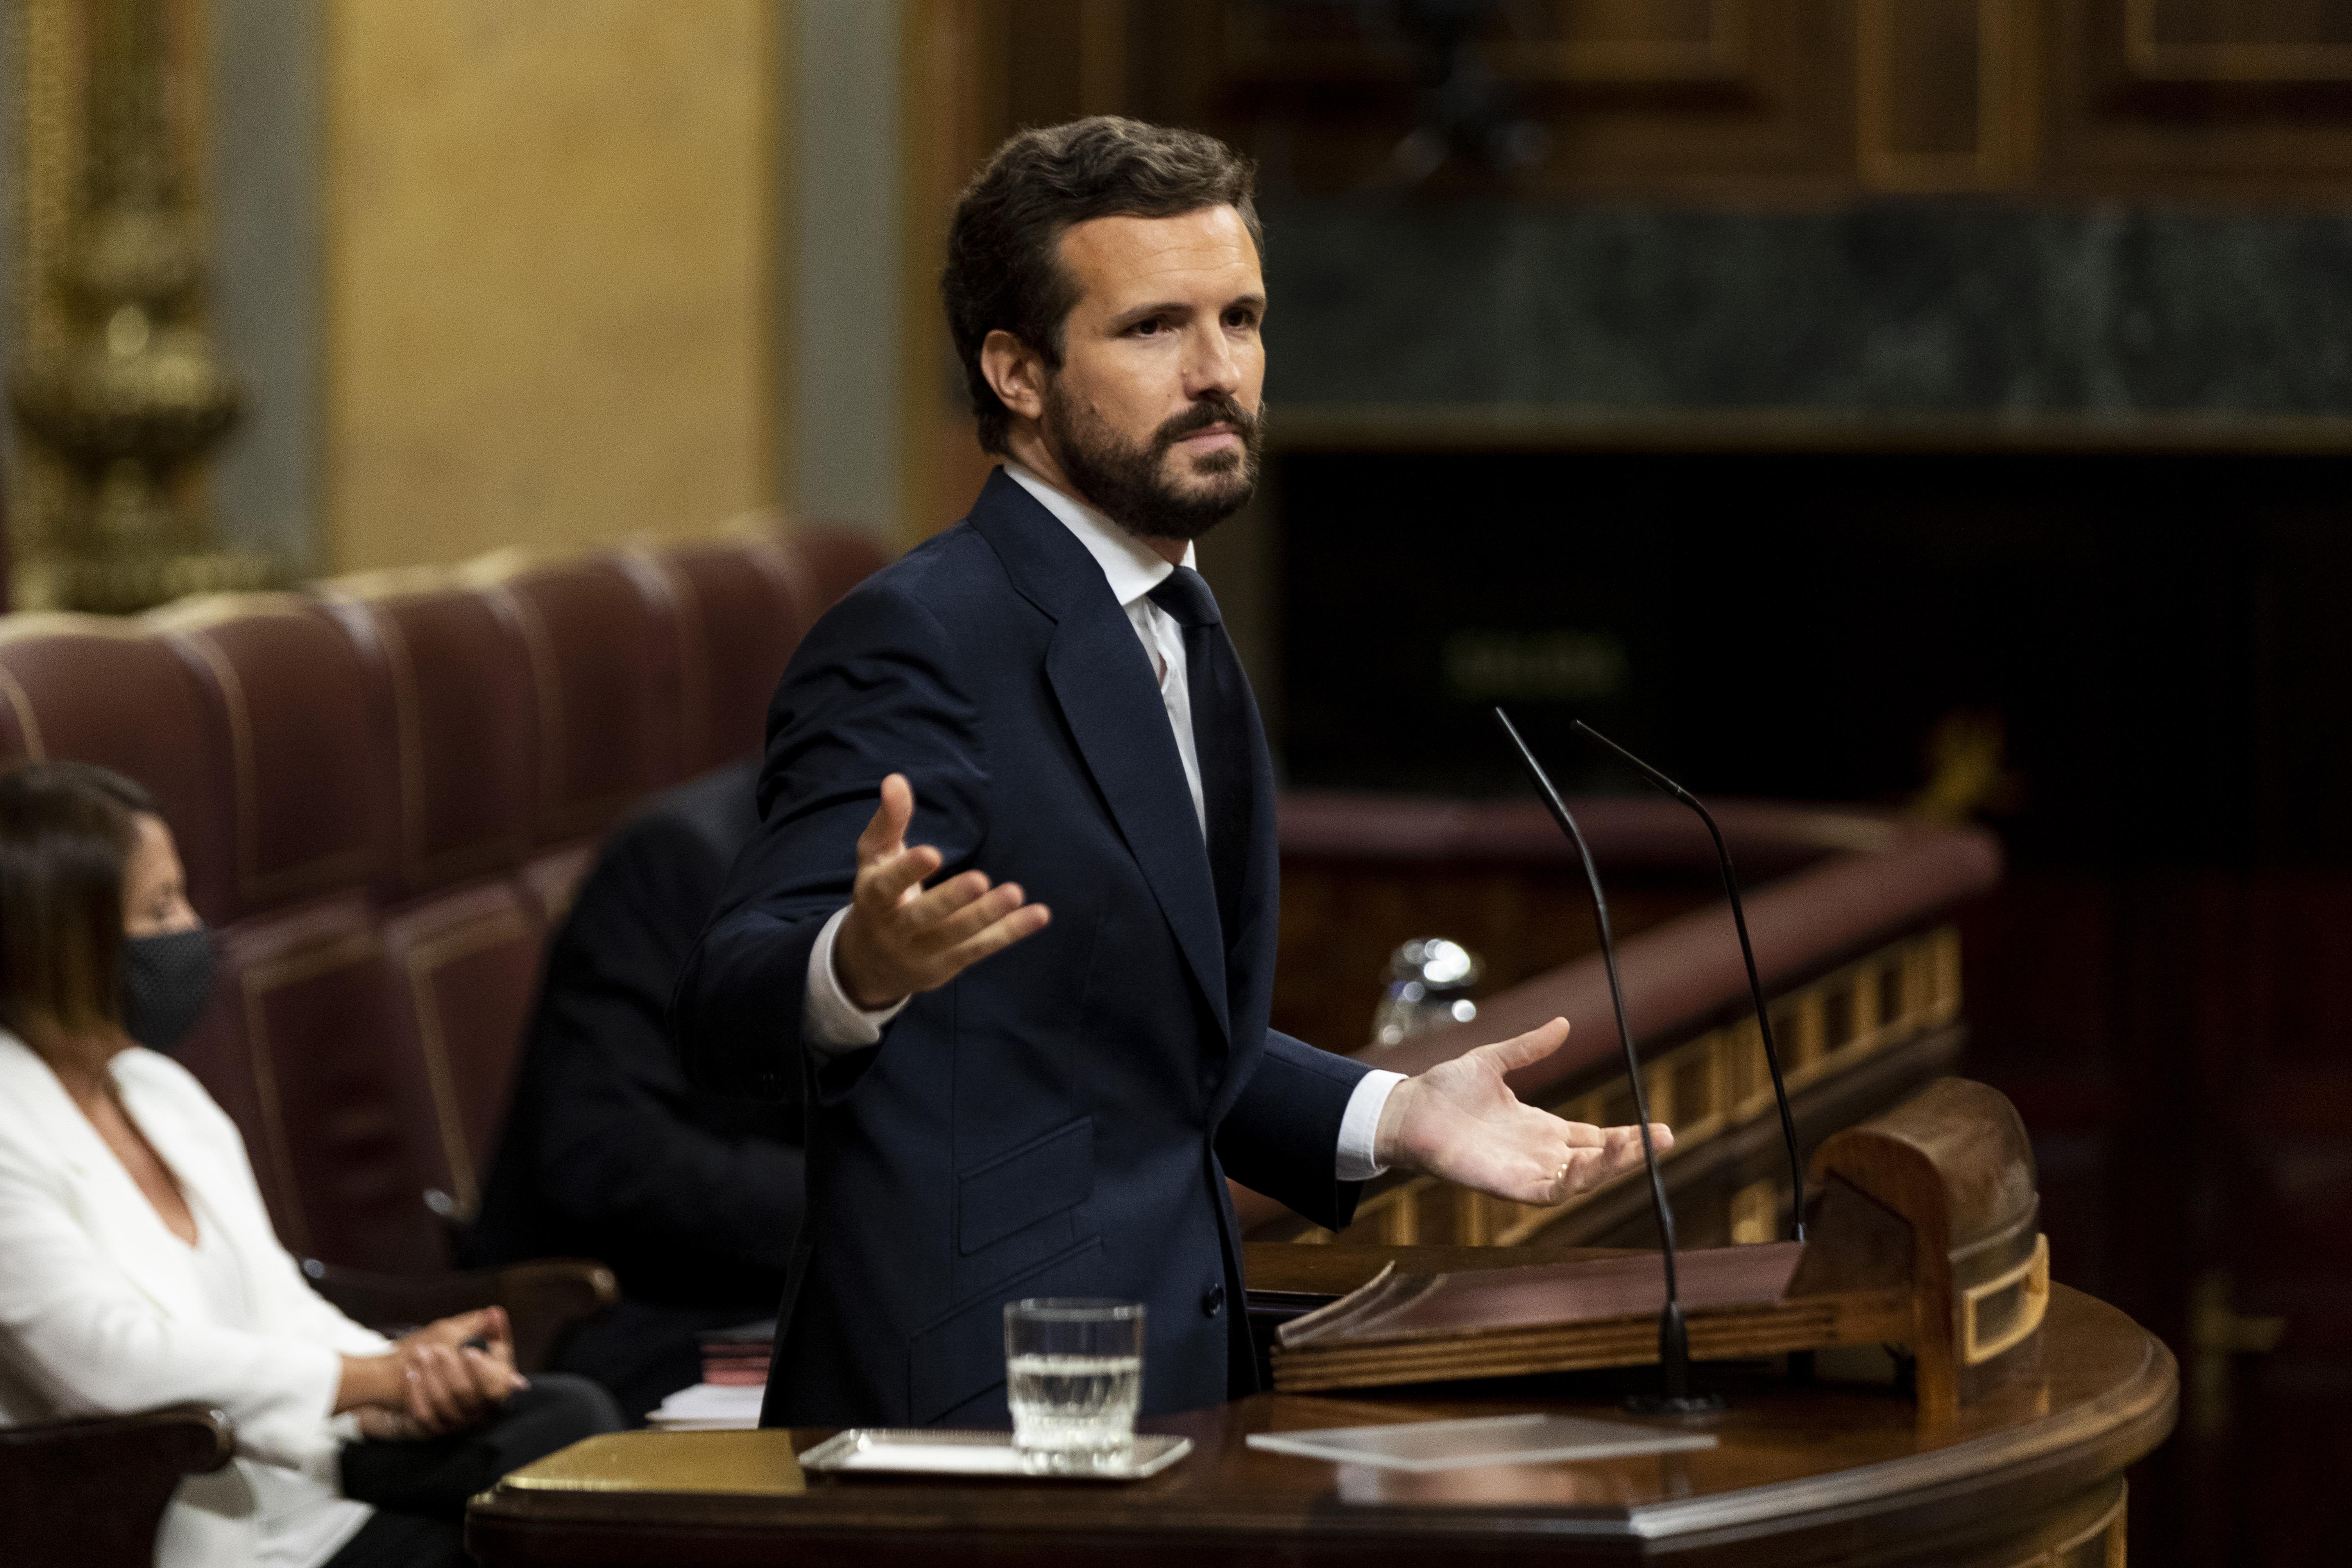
(543, 1298)
(92, 1489)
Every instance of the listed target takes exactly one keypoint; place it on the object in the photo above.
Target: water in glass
(1075, 1404)
(1074, 1377)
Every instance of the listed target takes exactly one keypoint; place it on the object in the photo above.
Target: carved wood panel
(1558, 96)
(1940, 93)
(1639, 42)
(2243, 98)
(2239, 40)
(1776, 100)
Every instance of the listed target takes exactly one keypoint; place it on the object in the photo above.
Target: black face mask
(166, 979)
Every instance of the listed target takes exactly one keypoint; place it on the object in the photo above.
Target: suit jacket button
(1212, 1300)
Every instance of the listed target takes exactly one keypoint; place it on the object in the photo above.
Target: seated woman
(138, 1267)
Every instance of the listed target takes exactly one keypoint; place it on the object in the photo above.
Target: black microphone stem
(1746, 951)
(1673, 1340)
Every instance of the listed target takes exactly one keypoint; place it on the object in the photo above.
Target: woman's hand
(459, 1370)
(443, 1378)
(485, 1329)
(383, 1425)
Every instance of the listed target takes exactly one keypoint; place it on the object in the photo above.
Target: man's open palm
(901, 937)
(1460, 1121)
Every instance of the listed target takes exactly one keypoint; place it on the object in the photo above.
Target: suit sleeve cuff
(830, 1023)
(1360, 1125)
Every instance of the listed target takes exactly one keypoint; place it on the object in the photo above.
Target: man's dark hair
(1003, 266)
(66, 835)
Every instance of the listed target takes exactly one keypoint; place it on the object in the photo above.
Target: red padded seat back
(308, 1056)
(465, 965)
(553, 877)
(301, 1047)
(741, 608)
(836, 559)
(385, 793)
(99, 690)
(308, 808)
(600, 643)
(457, 715)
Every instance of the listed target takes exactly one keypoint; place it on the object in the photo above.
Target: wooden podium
(1924, 1233)
(2005, 1448)
(2028, 1476)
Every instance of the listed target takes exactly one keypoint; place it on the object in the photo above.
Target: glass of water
(1073, 1375)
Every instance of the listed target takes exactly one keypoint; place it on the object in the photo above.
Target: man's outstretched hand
(901, 937)
(1460, 1121)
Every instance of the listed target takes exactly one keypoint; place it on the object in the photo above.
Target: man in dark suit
(692, 1198)
(1072, 786)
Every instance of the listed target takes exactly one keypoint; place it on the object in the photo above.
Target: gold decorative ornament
(137, 394)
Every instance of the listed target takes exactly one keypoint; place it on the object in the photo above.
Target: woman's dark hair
(1003, 266)
(66, 835)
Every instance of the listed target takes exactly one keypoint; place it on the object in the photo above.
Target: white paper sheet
(709, 1407)
(1530, 1439)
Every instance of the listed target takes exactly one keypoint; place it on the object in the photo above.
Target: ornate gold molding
(119, 384)
(1706, 1088)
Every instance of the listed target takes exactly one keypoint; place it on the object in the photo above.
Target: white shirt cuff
(1360, 1126)
(830, 1023)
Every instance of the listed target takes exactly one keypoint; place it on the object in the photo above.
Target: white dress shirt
(833, 1025)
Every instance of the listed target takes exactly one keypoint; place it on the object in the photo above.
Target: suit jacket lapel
(1102, 680)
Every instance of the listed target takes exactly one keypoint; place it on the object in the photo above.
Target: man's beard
(1130, 484)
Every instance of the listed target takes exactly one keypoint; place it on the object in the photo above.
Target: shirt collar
(1132, 567)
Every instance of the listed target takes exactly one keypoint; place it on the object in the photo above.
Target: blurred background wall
(546, 253)
(531, 272)
(1943, 404)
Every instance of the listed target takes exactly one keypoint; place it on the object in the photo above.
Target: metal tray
(879, 1450)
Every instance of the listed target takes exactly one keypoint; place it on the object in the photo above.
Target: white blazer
(98, 1302)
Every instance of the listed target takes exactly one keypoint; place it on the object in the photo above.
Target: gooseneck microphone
(1746, 951)
(1674, 1334)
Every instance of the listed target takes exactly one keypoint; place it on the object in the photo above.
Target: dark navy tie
(1220, 737)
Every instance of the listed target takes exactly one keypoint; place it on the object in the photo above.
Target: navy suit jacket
(1059, 1120)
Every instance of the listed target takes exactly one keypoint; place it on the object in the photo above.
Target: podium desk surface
(2031, 1474)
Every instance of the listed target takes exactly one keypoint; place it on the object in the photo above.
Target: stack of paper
(709, 1407)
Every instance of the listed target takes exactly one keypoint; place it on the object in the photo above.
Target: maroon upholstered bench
(384, 790)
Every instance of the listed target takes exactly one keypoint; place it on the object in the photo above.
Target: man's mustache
(1222, 410)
